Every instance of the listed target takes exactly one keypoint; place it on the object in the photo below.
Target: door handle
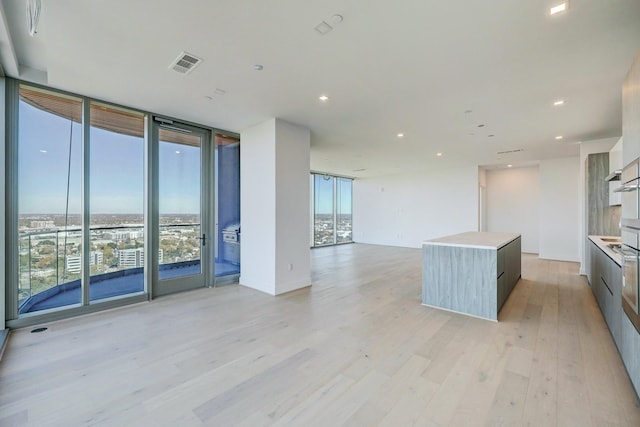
(204, 239)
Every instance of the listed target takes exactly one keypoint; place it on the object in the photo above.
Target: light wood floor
(355, 349)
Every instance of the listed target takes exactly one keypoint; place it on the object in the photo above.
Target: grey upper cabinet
(615, 165)
(631, 113)
(602, 219)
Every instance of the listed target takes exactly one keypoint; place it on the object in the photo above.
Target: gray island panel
(471, 273)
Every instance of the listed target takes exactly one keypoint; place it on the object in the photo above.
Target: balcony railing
(51, 260)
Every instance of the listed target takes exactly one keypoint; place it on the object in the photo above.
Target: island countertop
(475, 239)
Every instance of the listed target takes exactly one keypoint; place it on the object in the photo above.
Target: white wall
(257, 166)
(513, 201)
(560, 209)
(274, 199)
(293, 200)
(482, 199)
(586, 148)
(406, 209)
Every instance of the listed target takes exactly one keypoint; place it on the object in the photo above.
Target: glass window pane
(344, 226)
(179, 204)
(323, 222)
(116, 255)
(227, 251)
(49, 200)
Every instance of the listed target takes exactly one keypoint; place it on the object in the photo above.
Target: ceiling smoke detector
(323, 28)
(185, 63)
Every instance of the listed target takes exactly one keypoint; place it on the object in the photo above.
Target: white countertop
(474, 239)
(603, 241)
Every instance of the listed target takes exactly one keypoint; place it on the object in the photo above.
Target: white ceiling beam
(8, 58)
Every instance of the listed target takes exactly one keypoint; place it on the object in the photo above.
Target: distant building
(42, 224)
(74, 262)
(96, 258)
(133, 258)
(120, 235)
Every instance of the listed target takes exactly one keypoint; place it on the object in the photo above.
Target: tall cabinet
(629, 344)
(602, 218)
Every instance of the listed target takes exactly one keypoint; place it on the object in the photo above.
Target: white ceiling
(411, 66)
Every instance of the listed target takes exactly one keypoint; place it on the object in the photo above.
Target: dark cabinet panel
(509, 268)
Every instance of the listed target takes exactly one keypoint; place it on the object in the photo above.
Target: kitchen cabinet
(471, 273)
(602, 219)
(606, 285)
(631, 113)
(615, 168)
(605, 278)
(512, 254)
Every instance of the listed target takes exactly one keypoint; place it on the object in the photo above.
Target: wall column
(274, 207)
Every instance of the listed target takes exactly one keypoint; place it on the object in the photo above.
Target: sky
(117, 169)
(323, 195)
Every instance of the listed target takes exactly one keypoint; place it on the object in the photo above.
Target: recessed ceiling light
(468, 111)
(491, 135)
(177, 151)
(219, 91)
(559, 8)
(43, 151)
(439, 154)
(323, 98)
(509, 166)
(209, 97)
(559, 102)
(401, 135)
(258, 67)
(480, 126)
(337, 18)
(559, 137)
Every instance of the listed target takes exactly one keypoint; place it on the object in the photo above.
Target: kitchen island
(471, 273)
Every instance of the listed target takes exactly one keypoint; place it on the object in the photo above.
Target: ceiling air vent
(510, 151)
(185, 63)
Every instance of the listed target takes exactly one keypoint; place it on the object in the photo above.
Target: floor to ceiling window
(344, 225)
(49, 194)
(79, 184)
(331, 203)
(116, 204)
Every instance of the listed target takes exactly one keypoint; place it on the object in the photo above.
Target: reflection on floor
(112, 285)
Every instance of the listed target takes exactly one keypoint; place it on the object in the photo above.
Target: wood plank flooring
(355, 349)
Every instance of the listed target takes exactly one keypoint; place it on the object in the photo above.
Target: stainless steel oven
(630, 264)
(631, 241)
